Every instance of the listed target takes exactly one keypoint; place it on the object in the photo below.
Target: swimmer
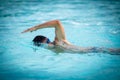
(60, 42)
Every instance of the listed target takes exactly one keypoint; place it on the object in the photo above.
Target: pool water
(86, 23)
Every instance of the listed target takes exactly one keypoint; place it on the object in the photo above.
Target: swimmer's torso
(64, 46)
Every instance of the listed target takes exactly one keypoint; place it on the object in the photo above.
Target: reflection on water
(86, 23)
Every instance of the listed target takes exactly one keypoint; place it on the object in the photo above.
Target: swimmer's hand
(29, 30)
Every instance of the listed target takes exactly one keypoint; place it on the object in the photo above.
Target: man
(60, 42)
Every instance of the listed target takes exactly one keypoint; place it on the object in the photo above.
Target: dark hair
(38, 39)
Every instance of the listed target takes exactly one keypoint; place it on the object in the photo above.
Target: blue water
(86, 23)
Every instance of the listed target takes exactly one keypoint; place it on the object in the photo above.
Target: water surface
(86, 23)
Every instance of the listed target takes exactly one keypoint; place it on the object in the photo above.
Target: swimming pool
(86, 23)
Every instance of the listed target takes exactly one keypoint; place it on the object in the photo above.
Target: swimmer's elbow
(57, 22)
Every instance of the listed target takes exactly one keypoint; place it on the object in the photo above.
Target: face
(46, 41)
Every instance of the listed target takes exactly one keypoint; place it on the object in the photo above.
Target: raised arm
(59, 30)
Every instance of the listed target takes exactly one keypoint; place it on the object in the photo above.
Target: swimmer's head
(40, 39)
